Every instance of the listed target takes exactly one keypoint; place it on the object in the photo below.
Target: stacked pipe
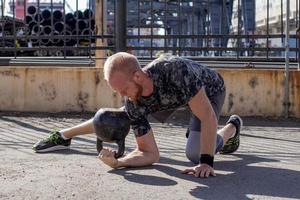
(54, 28)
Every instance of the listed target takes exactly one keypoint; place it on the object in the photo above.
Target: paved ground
(267, 165)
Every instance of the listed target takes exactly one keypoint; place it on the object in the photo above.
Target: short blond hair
(122, 62)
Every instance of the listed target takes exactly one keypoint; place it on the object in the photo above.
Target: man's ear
(137, 76)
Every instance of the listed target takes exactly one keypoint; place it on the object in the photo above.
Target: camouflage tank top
(175, 82)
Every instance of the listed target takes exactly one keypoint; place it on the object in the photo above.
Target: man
(165, 84)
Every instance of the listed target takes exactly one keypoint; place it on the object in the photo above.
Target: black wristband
(207, 159)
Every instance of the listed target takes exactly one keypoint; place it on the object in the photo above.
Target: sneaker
(52, 143)
(233, 143)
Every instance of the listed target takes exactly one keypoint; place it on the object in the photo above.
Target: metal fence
(230, 30)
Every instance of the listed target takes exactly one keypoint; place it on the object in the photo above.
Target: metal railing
(211, 30)
(48, 29)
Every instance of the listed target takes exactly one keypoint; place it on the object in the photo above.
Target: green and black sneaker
(233, 143)
(52, 143)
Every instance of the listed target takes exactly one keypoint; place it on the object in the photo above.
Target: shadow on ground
(246, 179)
(256, 173)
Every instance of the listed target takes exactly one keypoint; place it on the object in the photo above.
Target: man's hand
(108, 157)
(201, 170)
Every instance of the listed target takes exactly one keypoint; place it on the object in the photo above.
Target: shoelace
(54, 137)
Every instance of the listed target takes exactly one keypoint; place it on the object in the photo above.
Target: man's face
(126, 86)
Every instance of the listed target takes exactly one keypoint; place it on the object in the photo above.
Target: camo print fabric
(176, 81)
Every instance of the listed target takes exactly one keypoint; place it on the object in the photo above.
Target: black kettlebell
(111, 125)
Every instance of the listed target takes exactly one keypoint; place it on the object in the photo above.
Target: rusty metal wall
(54, 89)
(260, 92)
(250, 92)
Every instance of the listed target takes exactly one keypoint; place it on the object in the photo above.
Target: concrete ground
(266, 166)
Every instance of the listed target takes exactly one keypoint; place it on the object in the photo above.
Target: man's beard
(138, 94)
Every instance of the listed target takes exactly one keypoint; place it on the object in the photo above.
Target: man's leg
(192, 149)
(227, 132)
(194, 131)
(227, 137)
(86, 127)
(224, 135)
(58, 140)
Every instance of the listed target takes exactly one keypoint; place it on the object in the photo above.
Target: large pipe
(69, 40)
(82, 25)
(59, 53)
(88, 14)
(47, 30)
(46, 14)
(37, 29)
(59, 26)
(31, 10)
(78, 14)
(67, 34)
(57, 15)
(60, 43)
(71, 23)
(87, 32)
(76, 32)
(31, 25)
(45, 41)
(92, 24)
(28, 19)
(34, 40)
(55, 40)
(69, 16)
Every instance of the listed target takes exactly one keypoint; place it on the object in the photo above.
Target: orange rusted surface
(294, 84)
(259, 92)
(250, 92)
(54, 89)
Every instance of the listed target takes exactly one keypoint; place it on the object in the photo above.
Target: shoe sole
(55, 148)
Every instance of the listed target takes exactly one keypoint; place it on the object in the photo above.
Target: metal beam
(287, 51)
(120, 25)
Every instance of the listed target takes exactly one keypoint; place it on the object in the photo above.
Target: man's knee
(193, 156)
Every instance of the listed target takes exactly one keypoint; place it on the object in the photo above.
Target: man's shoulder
(134, 110)
(164, 64)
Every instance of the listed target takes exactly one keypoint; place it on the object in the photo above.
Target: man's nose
(123, 94)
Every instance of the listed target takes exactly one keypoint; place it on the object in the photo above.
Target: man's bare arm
(201, 108)
(145, 154)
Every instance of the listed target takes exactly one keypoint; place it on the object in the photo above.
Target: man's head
(123, 73)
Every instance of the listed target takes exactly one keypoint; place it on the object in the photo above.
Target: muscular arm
(201, 107)
(145, 154)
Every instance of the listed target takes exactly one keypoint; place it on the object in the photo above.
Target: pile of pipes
(54, 28)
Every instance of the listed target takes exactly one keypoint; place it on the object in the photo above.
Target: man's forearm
(138, 159)
(208, 136)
